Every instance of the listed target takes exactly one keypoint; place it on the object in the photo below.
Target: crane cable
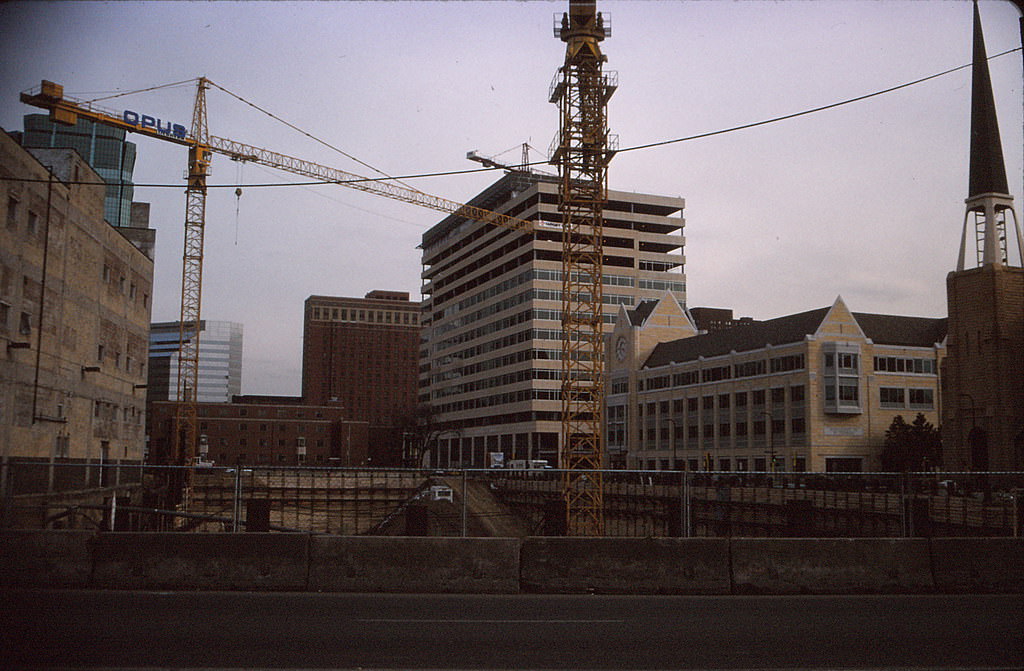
(146, 90)
(535, 163)
(309, 135)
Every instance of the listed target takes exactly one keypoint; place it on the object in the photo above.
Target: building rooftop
(881, 329)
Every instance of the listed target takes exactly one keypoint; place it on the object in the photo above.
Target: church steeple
(988, 172)
(989, 203)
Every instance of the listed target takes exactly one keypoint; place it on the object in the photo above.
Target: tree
(911, 447)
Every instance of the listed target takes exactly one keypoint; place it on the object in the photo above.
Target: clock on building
(620, 348)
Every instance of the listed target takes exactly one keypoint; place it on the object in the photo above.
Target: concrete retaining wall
(626, 565)
(299, 562)
(830, 566)
(251, 561)
(420, 565)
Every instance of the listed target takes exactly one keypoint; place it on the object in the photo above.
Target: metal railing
(508, 502)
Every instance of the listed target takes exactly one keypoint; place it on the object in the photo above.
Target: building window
(922, 399)
(796, 394)
(841, 378)
(12, 212)
(891, 397)
(778, 395)
(843, 464)
(798, 425)
(741, 399)
(758, 397)
(25, 324)
(33, 223)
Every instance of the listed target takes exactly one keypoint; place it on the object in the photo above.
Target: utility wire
(810, 111)
(490, 169)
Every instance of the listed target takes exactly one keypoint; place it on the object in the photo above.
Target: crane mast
(201, 147)
(187, 434)
(581, 89)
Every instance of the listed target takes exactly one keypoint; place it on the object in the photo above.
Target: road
(91, 629)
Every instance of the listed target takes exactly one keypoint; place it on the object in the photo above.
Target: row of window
(402, 317)
(779, 364)
(724, 401)
(125, 287)
(898, 397)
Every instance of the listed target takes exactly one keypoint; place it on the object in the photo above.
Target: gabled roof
(881, 329)
(903, 331)
(639, 314)
(779, 331)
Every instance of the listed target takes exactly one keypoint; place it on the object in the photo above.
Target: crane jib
(146, 121)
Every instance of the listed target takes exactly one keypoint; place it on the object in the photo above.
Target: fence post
(687, 505)
(236, 513)
(464, 495)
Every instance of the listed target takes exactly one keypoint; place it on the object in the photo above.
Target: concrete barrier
(414, 565)
(625, 565)
(252, 561)
(275, 561)
(966, 565)
(45, 558)
(831, 566)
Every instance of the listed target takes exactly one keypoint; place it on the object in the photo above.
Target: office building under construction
(490, 356)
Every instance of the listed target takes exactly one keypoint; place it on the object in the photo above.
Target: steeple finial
(988, 172)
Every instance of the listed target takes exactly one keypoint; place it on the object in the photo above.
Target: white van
(528, 464)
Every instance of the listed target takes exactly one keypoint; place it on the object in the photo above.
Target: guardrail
(508, 502)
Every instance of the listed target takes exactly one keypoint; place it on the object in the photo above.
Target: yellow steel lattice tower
(581, 89)
(199, 154)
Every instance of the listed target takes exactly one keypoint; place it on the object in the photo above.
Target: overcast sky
(863, 201)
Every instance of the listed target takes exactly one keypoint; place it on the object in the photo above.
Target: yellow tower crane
(581, 151)
(201, 147)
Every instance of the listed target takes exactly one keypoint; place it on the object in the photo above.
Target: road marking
(380, 620)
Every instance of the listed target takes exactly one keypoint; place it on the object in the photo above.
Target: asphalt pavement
(78, 629)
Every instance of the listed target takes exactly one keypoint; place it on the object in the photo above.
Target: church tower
(983, 400)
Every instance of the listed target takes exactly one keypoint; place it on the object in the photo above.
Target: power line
(649, 145)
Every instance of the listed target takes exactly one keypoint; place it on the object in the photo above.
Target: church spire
(988, 172)
(989, 203)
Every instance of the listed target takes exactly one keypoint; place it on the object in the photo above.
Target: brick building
(362, 354)
(266, 431)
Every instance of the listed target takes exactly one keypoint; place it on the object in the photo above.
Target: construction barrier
(414, 565)
(625, 565)
(301, 562)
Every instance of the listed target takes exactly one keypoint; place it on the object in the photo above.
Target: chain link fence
(506, 501)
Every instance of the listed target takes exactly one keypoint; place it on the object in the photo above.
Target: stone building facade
(814, 391)
(75, 303)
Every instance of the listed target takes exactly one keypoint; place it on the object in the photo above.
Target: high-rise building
(490, 360)
(362, 354)
(74, 316)
(103, 147)
(983, 400)
(220, 361)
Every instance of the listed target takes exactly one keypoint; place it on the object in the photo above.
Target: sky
(863, 201)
